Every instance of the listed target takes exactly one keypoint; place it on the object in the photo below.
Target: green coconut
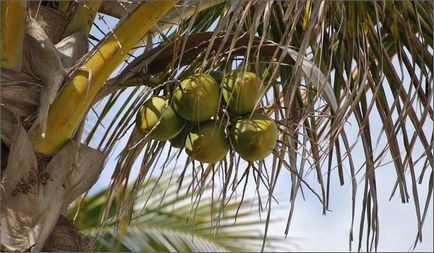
(255, 137)
(207, 143)
(197, 98)
(158, 120)
(241, 92)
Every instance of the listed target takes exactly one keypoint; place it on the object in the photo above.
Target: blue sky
(312, 231)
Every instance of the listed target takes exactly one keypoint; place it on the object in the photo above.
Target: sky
(310, 229)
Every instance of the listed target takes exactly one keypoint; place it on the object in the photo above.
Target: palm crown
(323, 64)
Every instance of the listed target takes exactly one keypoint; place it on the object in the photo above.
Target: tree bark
(65, 237)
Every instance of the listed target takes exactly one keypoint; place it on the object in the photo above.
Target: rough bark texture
(51, 20)
(65, 237)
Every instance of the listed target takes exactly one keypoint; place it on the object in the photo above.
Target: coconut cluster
(191, 121)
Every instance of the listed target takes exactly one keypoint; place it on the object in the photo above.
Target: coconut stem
(13, 14)
(74, 101)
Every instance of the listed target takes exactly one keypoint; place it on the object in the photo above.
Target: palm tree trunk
(45, 168)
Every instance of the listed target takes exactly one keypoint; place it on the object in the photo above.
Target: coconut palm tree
(162, 220)
(323, 64)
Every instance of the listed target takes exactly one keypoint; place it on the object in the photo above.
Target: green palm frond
(378, 58)
(349, 85)
(167, 218)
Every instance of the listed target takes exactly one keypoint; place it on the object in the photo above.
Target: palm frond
(377, 56)
(168, 218)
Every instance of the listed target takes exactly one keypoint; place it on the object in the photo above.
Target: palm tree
(162, 220)
(324, 63)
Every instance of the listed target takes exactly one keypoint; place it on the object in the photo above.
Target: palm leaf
(165, 218)
(355, 46)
